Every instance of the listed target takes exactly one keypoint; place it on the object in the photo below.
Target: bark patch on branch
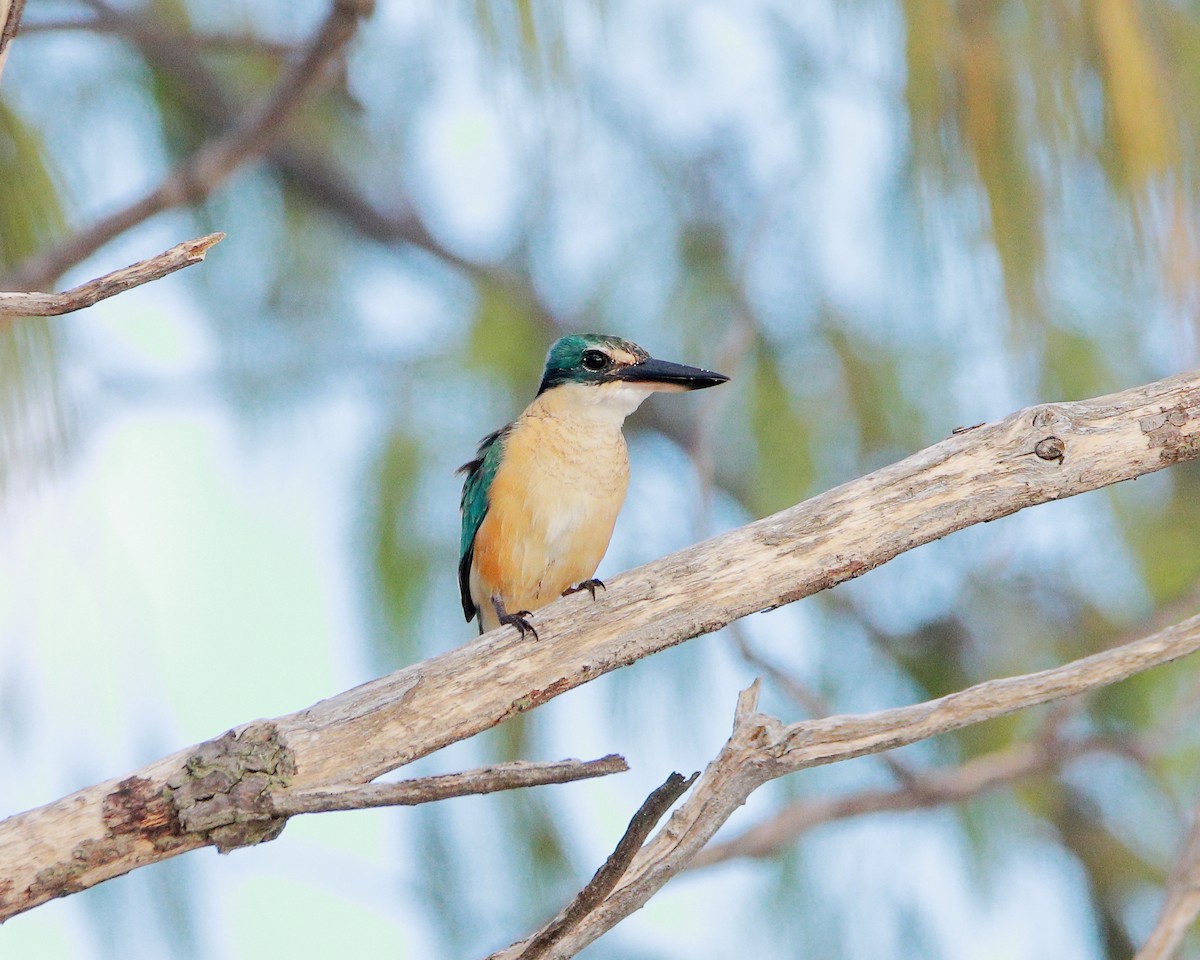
(224, 787)
(138, 807)
(135, 812)
(1165, 430)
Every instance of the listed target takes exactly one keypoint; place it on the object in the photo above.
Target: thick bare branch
(408, 793)
(213, 163)
(144, 271)
(971, 477)
(1182, 904)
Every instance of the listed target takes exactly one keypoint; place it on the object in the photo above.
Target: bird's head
(615, 372)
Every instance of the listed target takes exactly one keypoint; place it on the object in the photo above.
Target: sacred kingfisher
(543, 493)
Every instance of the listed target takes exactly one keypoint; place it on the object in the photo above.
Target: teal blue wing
(474, 506)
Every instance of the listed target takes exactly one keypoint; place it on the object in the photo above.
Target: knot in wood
(1051, 448)
(224, 787)
(1049, 415)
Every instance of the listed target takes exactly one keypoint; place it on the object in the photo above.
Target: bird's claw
(518, 620)
(588, 585)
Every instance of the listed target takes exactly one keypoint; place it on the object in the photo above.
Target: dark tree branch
(330, 189)
(217, 110)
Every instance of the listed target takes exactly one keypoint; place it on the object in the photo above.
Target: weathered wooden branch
(212, 164)
(924, 789)
(209, 795)
(762, 748)
(118, 281)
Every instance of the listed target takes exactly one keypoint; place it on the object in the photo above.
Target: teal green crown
(566, 361)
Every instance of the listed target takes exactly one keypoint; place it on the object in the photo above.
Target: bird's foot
(588, 585)
(519, 621)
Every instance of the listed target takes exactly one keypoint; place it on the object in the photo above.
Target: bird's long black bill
(675, 374)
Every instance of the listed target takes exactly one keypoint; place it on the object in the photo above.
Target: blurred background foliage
(884, 220)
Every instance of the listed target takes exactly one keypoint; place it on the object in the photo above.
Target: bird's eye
(595, 360)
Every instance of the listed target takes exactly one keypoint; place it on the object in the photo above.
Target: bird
(541, 497)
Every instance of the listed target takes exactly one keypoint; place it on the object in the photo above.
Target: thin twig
(213, 163)
(607, 877)
(144, 271)
(407, 793)
(1182, 904)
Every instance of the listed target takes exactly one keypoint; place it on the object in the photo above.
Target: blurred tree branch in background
(209, 167)
(176, 54)
(221, 792)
